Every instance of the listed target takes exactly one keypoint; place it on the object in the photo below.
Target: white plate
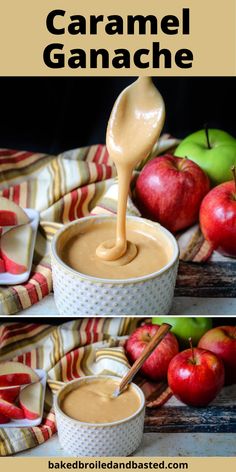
(11, 279)
(30, 423)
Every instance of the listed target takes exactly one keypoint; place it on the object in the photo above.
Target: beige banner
(42, 464)
(205, 30)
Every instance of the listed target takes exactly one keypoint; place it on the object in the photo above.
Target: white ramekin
(119, 438)
(77, 294)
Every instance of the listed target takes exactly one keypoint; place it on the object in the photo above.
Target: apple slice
(9, 393)
(16, 373)
(4, 419)
(14, 379)
(15, 249)
(11, 411)
(2, 265)
(11, 214)
(30, 400)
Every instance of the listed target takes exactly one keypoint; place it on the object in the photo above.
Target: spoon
(134, 126)
(157, 338)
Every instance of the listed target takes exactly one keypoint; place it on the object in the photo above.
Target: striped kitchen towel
(63, 188)
(68, 351)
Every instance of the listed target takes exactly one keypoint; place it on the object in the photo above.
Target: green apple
(185, 328)
(213, 150)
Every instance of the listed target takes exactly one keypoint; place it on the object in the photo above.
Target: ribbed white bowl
(77, 294)
(120, 438)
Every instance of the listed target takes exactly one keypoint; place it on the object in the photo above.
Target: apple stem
(182, 161)
(191, 346)
(207, 136)
(233, 168)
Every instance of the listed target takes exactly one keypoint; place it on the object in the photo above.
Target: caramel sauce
(134, 126)
(93, 402)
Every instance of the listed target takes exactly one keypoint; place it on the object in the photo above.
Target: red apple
(170, 190)
(31, 400)
(9, 393)
(196, 376)
(4, 419)
(222, 341)
(10, 410)
(155, 367)
(16, 373)
(218, 218)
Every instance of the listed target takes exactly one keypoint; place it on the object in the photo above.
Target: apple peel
(16, 373)
(11, 214)
(9, 393)
(10, 410)
(4, 419)
(2, 266)
(15, 249)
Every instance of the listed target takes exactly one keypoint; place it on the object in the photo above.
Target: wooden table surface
(213, 279)
(175, 429)
(207, 289)
(158, 445)
(175, 417)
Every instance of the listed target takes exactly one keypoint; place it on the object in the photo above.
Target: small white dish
(11, 279)
(30, 423)
(77, 294)
(118, 438)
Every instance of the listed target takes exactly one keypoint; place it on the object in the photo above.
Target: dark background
(55, 114)
(217, 321)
